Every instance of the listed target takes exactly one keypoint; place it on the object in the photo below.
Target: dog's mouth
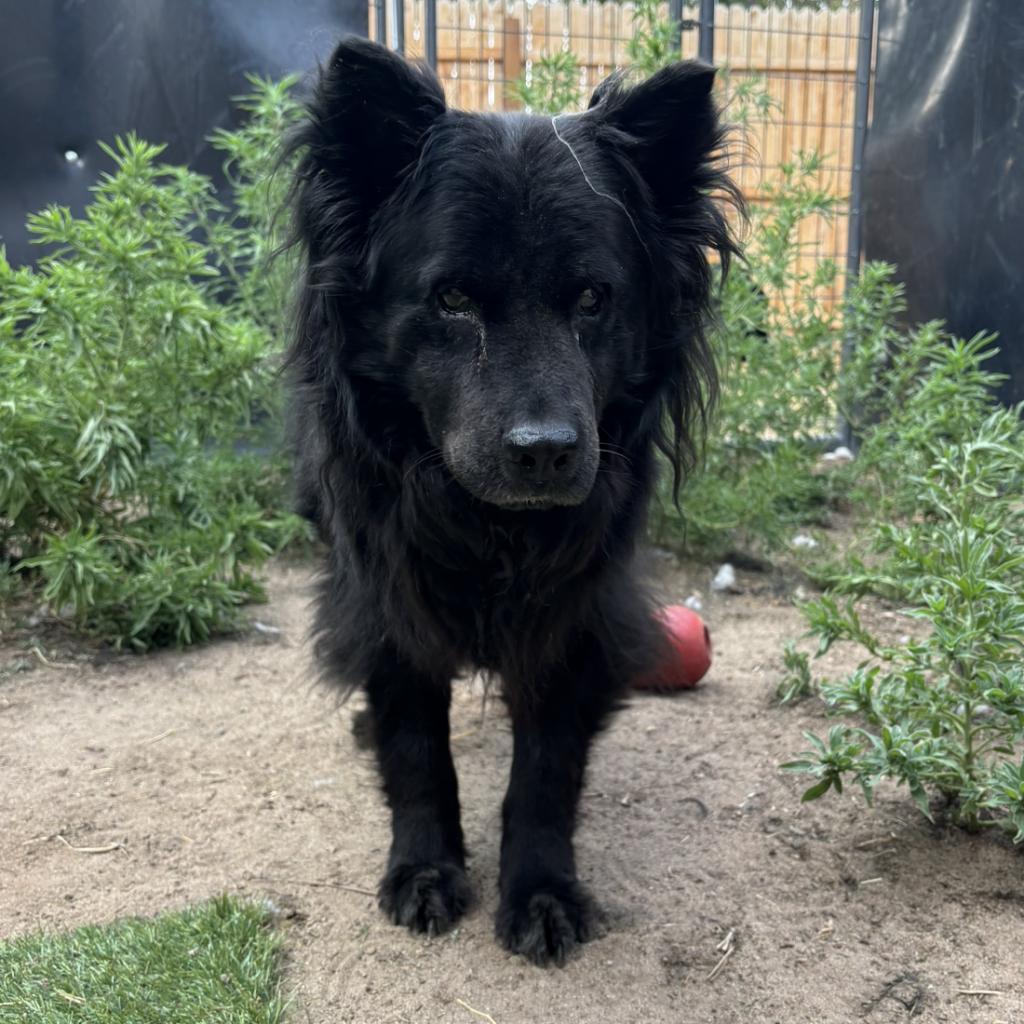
(537, 504)
(514, 500)
(539, 501)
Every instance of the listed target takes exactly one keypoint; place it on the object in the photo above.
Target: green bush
(553, 86)
(942, 711)
(138, 480)
(777, 344)
(904, 391)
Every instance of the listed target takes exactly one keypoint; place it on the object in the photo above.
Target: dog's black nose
(541, 452)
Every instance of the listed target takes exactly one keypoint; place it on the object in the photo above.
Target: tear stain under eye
(481, 351)
(593, 188)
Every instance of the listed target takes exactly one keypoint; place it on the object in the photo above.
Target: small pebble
(840, 454)
(803, 540)
(694, 603)
(725, 579)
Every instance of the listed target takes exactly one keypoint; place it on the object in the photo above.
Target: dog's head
(523, 295)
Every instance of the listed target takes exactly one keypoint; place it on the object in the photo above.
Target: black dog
(501, 319)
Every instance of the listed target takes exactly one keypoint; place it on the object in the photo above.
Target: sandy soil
(227, 769)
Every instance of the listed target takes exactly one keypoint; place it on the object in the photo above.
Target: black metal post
(398, 15)
(381, 22)
(860, 136)
(706, 44)
(430, 32)
(675, 15)
(855, 236)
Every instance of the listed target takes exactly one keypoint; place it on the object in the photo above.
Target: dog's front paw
(546, 923)
(425, 897)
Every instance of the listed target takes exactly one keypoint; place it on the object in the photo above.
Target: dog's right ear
(367, 118)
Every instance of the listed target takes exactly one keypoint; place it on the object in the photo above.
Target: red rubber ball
(689, 651)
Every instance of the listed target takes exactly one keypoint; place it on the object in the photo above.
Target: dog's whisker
(434, 455)
(617, 452)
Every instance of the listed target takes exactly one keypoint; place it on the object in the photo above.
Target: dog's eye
(589, 302)
(454, 301)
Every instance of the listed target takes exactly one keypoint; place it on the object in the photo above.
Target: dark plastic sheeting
(75, 71)
(944, 173)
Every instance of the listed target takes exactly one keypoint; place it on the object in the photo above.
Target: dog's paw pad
(548, 923)
(425, 897)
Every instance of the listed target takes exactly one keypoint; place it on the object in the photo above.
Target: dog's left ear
(667, 125)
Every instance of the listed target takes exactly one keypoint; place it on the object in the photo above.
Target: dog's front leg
(425, 886)
(544, 910)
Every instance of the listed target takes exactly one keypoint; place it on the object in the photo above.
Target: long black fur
(398, 409)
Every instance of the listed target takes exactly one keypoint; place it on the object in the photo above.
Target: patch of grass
(217, 962)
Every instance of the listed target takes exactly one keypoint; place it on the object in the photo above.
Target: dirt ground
(226, 768)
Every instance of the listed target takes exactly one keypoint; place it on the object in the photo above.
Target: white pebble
(725, 578)
(840, 454)
(803, 540)
(694, 603)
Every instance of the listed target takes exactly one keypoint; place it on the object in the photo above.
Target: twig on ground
(479, 1013)
(109, 848)
(726, 948)
(318, 885)
(39, 839)
(156, 739)
(51, 664)
(868, 843)
(978, 992)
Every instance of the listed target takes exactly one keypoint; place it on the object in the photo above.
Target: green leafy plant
(654, 42)
(942, 711)
(777, 344)
(798, 681)
(244, 235)
(552, 86)
(139, 480)
(903, 391)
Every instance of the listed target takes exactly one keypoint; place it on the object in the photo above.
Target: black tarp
(76, 71)
(944, 171)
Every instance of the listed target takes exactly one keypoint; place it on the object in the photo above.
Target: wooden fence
(804, 59)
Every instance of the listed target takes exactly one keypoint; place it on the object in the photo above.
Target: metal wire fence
(804, 55)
